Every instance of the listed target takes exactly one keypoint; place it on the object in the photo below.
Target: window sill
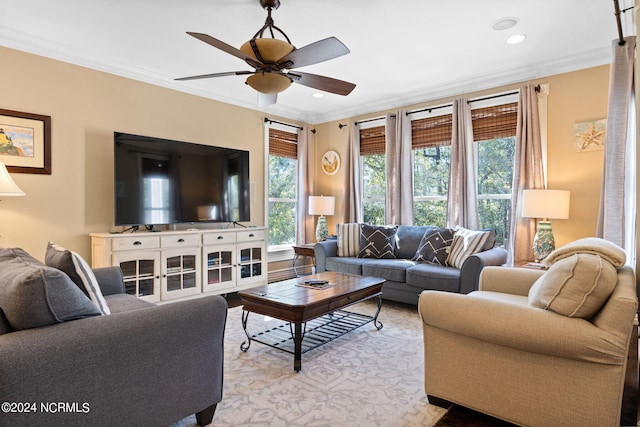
(280, 253)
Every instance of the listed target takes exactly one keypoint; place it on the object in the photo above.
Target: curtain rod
(616, 7)
(366, 120)
(484, 98)
(268, 120)
(437, 107)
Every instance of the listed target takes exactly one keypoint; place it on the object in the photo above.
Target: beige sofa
(492, 351)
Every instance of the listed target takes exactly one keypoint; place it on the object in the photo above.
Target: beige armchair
(493, 352)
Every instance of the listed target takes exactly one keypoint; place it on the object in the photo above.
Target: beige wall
(87, 106)
(573, 97)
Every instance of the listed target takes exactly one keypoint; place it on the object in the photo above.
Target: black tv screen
(160, 181)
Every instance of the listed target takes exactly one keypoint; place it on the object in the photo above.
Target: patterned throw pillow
(434, 246)
(348, 239)
(377, 241)
(78, 271)
(466, 242)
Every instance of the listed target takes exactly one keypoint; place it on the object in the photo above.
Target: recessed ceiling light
(516, 38)
(318, 95)
(504, 23)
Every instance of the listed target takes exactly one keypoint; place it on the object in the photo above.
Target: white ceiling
(402, 51)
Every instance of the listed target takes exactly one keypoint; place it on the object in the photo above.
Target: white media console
(172, 265)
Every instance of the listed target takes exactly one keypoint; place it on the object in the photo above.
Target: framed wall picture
(330, 162)
(590, 136)
(25, 142)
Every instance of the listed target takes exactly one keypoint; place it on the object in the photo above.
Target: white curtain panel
(305, 222)
(399, 168)
(353, 185)
(462, 200)
(528, 173)
(614, 219)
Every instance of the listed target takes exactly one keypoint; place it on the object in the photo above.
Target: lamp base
(321, 229)
(543, 242)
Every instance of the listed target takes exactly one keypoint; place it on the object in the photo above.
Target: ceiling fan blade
(327, 84)
(207, 76)
(320, 51)
(226, 48)
(265, 99)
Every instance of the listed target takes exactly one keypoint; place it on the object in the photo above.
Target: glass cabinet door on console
(141, 271)
(219, 267)
(251, 265)
(180, 272)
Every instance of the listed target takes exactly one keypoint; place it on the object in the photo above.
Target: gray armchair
(144, 364)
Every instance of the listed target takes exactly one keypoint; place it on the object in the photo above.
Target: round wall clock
(330, 162)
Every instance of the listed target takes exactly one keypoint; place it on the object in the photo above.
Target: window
(494, 130)
(374, 174)
(431, 144)
(283, 166)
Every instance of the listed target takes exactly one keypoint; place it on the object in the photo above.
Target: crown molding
(18, 40)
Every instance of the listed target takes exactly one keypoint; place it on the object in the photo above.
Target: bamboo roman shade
(431, 132)
(372, 141)
(498, 121)
(283, 144)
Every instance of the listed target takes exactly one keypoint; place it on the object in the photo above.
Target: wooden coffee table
(313, 314)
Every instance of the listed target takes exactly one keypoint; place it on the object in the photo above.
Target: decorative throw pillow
(34, 295)
(576, 286)
(590, 245)
(377, 241)
(434, 246)
(491, 241)
(466, 242)
(78, 271)
(348, 239)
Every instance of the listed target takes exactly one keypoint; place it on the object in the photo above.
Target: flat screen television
(161, 181)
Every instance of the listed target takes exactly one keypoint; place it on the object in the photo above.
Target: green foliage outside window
(495, 178)
(282, 200)
(431, 185)
(374, 177)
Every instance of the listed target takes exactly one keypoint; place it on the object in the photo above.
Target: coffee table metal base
(298, 338)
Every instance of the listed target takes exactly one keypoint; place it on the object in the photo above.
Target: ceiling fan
(273, 59)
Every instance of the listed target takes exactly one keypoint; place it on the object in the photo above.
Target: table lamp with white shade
(545, 205)
(7, 186)
(321, 205)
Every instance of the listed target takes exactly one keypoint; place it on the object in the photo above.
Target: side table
(529, 264)
(303, 251)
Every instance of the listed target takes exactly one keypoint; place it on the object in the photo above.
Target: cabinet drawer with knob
(218, 237)
(176, 241)
(136, 242)
(251, 235)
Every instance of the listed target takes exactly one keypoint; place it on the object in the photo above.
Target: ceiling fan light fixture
(269, 83)
(270, 49)
(272, 58)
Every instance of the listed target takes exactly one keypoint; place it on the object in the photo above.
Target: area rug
(367, 377)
